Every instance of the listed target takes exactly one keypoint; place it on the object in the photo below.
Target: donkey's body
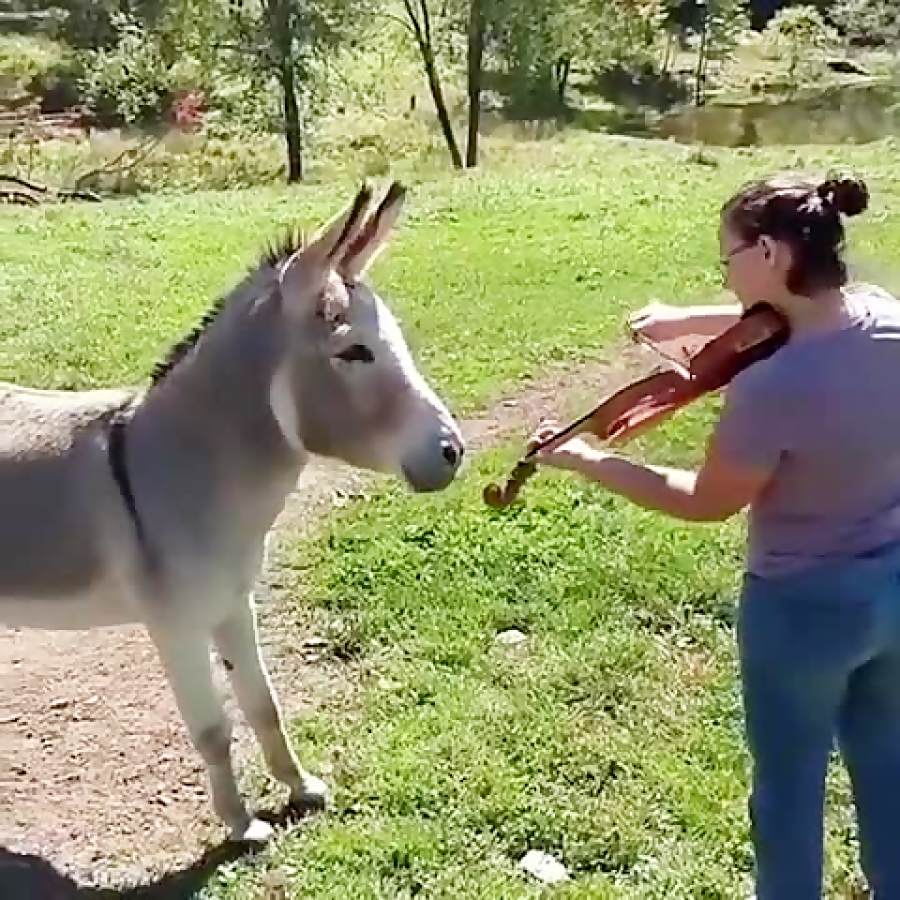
(64, 514)
(154, 506)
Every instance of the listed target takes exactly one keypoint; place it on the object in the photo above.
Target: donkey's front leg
(185, 656)
(237, 642)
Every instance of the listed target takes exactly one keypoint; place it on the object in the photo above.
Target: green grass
(612, 738)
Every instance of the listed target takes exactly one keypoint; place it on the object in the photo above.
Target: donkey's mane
(278, 250)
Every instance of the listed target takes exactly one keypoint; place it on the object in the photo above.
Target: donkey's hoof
(257, 833)
(312, 795)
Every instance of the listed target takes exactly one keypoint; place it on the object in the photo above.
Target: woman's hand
(570, 455)
(660, 322)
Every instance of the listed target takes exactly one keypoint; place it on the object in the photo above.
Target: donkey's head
(348, 387)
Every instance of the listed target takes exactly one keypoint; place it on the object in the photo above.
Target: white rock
(543, 867)
(513, 636)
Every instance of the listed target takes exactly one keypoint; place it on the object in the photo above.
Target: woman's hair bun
(849, 196)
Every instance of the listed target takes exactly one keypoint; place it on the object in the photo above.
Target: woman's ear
(776, 254)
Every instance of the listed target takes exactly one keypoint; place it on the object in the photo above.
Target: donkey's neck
(206, 437)
(228, 379)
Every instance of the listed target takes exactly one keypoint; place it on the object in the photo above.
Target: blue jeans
(820, 660)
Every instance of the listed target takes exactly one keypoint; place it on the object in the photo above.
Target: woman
(809, 440)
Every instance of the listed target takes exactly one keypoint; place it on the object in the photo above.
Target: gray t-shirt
(826, 410)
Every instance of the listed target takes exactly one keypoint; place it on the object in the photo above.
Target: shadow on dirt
(26, 876)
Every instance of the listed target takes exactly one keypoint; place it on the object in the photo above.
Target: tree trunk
(293, 132)
(561, 71)
(422, 31)
(475, 70)
(283, 43)
(434, 83)
(700, 79)
(667, 53)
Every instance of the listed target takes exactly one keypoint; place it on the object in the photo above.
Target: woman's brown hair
(806, 215)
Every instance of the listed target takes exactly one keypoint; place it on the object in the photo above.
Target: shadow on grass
(626, 121)
(26, 876)
(614, 120)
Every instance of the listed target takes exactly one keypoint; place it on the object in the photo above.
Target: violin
(643, 404)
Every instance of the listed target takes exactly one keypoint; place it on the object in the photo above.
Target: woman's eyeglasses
(724, 260)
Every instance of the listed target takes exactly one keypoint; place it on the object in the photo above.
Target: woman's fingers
(654, 321)
(545, 430)
(645, 314)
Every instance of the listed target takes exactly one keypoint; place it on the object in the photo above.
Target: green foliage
(605, 33)
(533, 44)
(545, 60)
(268, 31)
(798, 41)
(726, 21)
(687, 13)
(721, 24)
(30, 17)
(526, 38)
(870, 23)
(88, 24)
(231, 51)
(25, 59)
(132, 82)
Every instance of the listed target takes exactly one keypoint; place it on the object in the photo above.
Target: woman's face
(754, 270)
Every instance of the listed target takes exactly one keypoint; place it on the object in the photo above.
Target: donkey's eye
(356, 353)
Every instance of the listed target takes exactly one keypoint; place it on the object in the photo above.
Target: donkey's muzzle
(433, 466)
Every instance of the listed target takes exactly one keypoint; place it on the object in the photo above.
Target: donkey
(153, 506)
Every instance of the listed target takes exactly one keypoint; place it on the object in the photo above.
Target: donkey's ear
(332, 240)
(372, 238)
(306, 270)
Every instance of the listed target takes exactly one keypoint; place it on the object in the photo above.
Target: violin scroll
(499, 497)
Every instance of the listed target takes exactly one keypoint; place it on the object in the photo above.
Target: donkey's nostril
(450, 452)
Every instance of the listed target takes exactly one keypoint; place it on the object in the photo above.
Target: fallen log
(15, 189)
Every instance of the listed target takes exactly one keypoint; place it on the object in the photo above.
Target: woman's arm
(754, 430)
(718, 490)
(664, 322)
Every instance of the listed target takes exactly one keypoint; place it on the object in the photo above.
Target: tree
(526, 39)
(868, 23)
(721, 23)
(420, 23)
(22, 17)
(284, 20)
(799, 39)
(474, 76)
(687, 13)
(617, 32)
(280, 39)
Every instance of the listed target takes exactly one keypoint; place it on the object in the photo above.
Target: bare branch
(413, 18)
(414, 22)
(114, 167)
(21, 182)
(403, 23)
(23, 198)
(31, 194)
(426, 18)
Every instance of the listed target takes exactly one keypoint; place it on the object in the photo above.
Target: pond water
(850, 113)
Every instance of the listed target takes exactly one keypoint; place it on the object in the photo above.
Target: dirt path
(97, 776)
